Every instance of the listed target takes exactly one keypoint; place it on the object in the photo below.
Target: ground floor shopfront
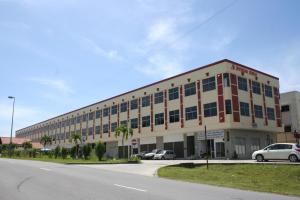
(218, 144)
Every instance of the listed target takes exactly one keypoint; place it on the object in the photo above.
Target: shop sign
(211, 135)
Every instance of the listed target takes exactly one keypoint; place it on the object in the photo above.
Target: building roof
(157, 82)
(20, 141)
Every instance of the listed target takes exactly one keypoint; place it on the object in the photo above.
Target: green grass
(281, 179)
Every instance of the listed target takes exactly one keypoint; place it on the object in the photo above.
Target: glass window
(173, 93)
(91, 116)
(114, 109)
(124, 107)
(84, 117)
(146, 121)
(271, 113)
(228, 106)
(133, 104)
(91, 131)
(158, 97)
(285, 108)
(244, 109)
(78, 119)
(134, 123)
(210, 109)
(159, 119)
(145, 101)
(114, 126)
(268, 91)
(242, 84)
(105, 128)
(84, 132)
(256, 87)
(258, 111)
(226, 80)
(191, 113)
(189, 89)
(98, 129)
(287, 128)
(209, 84)
(124, 122)
(174, 116)
(98, 114)
(105, 112)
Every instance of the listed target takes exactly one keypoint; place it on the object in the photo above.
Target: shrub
(86, 150)
(18, 153)
(57, 151)
(100, 150)
(34, 153)
(50, 154)
(27, 145)
(64, 153)
(73, 152)
(134, 159)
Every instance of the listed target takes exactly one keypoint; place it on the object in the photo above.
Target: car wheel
(259, 158)
(293, 158)
(163, 158)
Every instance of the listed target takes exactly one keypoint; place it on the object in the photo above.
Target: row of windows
(256, 89)
(258, 111)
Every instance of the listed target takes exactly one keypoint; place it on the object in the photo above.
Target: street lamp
(12, 124)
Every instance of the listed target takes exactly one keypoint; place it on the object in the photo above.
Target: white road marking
(46, 169)
(132, 188)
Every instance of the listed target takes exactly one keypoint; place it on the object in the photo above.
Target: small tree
(46, 140)
(76, 138)
(64, 153)
(126, 132)
(57, 151)
(86, 150)
(100, 150)
(27, 145)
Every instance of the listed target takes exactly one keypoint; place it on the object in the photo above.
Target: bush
(57, 151)
(73, 152)
(134, 159)
(86, 150)
(34, 153)
(100, 150)
(50, 154)
(64, 153)
(18, 153)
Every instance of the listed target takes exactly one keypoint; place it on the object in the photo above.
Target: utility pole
(206, 147)
(12, 125)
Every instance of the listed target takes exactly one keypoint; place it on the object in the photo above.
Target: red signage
(243, 70)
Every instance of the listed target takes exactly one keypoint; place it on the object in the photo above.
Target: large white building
(238, 105)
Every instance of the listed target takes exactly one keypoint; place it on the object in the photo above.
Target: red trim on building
(251, 101)
(151, 107)
(181, 106)
(235, 98)
(139, 115)
(220, 98)
(264, 104)
(199, 102)
(166, 109)
(277, 106)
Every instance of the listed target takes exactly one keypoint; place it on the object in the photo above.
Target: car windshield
(154, 151)
(298, 145)
(159, 151)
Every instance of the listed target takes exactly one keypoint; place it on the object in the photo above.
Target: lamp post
(12, 125)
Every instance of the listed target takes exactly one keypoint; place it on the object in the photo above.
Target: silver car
(278, 151)
(164, 154)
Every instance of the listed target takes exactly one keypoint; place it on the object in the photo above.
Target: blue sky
(59, 55)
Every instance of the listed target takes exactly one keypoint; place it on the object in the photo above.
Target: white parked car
(164, 154)
(278, 151)
(150, 156)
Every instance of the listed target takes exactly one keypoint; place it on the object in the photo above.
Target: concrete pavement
(34, 180)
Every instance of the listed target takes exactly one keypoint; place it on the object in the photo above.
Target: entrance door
(190, 145)
(220, 150)
(210, 148)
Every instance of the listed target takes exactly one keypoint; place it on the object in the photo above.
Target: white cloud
(92, 46)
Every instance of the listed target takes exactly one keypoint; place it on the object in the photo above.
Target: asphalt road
(33, 180)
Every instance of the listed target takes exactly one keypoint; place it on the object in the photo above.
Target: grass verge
(280, 179)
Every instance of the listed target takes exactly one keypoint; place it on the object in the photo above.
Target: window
(189, 89)
(73, 121)
(159, 118)
(114, 110)
(158, 97)
(98, 114)
(105, 112)
(91, 116)
(98, 129)
(256, 87)
(284, 146)
(174, 116)
(84, 117)
(210, 109)
(146, 121)
(91, 131)
(270, 113)
(105, 128)
(84, 132)
(268, 91)
(114, 126)
(191, 113)
(244, 108)
(209, 84)
(285, 108)
(226, 80)
(78, 119)
(228, 106)
(124, 122)
(258, 111)
(134, 123)
(288, 128)
(124, 107)
(173, 93)
(145, 101)
(134, 104)
(242, 84)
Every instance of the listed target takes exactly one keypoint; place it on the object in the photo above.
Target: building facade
(238, 105)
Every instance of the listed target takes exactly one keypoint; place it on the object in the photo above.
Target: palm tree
(46, 140)
(126, 132)
(76, 138)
